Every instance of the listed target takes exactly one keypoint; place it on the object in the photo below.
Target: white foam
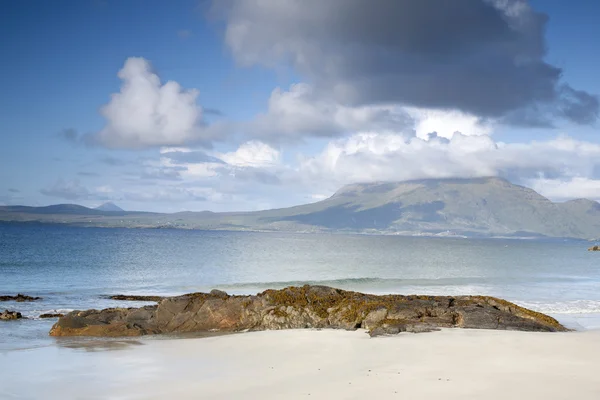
(564, 307)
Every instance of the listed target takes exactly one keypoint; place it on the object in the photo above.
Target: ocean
(76, 268)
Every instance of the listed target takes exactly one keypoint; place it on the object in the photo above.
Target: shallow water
(73, 268)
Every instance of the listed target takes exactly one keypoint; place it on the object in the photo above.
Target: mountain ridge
(466, 207)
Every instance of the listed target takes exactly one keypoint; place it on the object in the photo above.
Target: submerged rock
(19, 298)
(50, 315)
(10, 315)
(127, 297)
(305, 307)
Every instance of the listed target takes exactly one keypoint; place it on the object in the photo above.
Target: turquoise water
(73, 268)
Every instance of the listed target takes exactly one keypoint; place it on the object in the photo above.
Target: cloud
(557, 189)
(301, 112)
(67, 189)
(12, 197)
(86, 173)
(447, 122)
(253, 175)
(191, 157)
(146, 113)
(252, 154)
(368, 157)
(252, 161)
(163, 173)
(167, 194)
(482, 57)
(112, 161)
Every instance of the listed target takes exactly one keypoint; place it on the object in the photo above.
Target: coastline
(294, 364)
(242, 229)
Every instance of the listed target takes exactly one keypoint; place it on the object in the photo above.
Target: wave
(386, 283)
(564, 307)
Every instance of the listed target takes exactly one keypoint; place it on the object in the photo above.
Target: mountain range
(466, 207)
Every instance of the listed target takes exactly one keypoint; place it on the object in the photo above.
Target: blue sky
(275, 106)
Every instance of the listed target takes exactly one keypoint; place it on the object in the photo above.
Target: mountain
(472, 207)
(57, 209)
(469, 207)
(110, 207)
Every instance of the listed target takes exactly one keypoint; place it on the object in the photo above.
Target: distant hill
(469, 207)
(110, 207)
(62, 209)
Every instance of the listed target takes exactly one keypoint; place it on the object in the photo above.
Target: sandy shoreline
(327, 364)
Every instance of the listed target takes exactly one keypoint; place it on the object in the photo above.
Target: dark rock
(50, 315)
(10, 315)
(305, 307)
(594, 248)
(19, 298)
(126, 297)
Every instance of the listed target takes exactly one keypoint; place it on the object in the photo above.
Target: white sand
(452, 364)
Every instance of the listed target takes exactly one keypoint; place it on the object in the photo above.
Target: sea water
(77, 268)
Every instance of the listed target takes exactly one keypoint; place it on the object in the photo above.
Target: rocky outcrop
(594, 248)
(10, 315)
(51, 315)
(127, 297)
(19, 298)
(305, 307)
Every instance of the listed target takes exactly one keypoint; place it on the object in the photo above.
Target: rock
(127, 297)
(50, 315)
(392, 328)
(111, 322)
(594, 248)
(19, 298)
(10, 315)
(374, 318)
(219, 293)
(305, 307)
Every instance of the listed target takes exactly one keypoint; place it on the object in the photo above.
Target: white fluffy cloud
(147, 113)
(575, 187)
(560, 168)
(189, 163)
(252, 154)
(546, 165)
(446, 122)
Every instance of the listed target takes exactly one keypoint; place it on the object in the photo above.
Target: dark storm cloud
(484, 57)
(579, 105)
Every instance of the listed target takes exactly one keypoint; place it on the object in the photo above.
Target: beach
(299, 364)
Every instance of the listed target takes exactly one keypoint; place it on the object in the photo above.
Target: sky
(233, 105)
